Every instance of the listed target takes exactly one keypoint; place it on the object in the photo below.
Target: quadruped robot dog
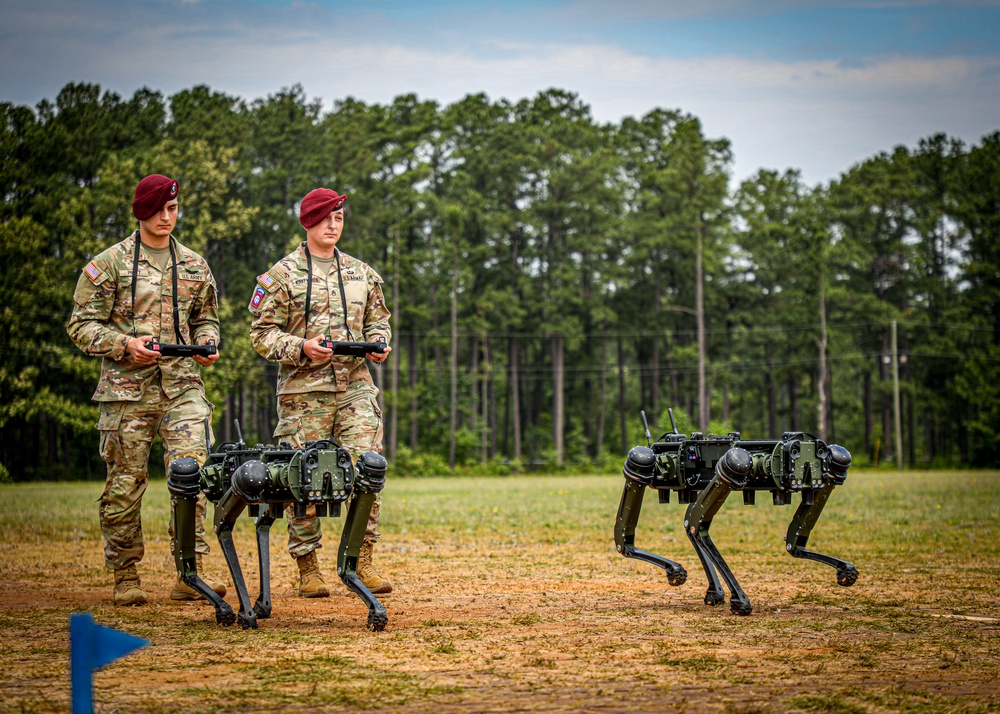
(263, 479)
(705, 470)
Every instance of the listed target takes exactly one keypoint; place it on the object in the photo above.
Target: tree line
(549, 276)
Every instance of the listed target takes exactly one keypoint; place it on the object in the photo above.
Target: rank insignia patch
(258, 295)
(92, 271)
(265, 280)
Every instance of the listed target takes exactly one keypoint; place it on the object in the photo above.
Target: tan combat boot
(311, 583)
(372, 580)
(128, 589)
(183, 591)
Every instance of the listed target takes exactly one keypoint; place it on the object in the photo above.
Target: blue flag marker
(91, 646)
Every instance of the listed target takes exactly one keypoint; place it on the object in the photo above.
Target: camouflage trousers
(127, 432)
(352, 420)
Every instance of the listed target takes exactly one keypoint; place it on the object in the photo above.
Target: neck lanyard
(173, 270)
(340, 283)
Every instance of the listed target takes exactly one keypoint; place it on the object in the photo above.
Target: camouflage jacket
(102, 319)
(279, 328)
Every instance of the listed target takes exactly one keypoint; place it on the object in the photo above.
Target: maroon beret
(318, 204)
(152, 193)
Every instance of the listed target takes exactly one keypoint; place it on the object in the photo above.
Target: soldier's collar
(181, 251)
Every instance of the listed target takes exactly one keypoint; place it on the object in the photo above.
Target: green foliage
(977, 385)
(409, 463)
(590, 270)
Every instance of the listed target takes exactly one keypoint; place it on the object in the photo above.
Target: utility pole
(895, 400)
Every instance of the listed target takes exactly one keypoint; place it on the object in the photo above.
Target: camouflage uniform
(137, 401)
(333, 398)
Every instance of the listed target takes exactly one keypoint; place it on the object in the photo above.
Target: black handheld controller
(354, 349)
(181, 350)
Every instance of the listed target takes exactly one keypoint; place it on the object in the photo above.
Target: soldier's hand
(136, 347)
(313, 349)
(379, 356)
(206, 361)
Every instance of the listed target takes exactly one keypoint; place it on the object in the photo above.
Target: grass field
(510, 597)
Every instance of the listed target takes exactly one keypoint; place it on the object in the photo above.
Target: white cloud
(817, 115)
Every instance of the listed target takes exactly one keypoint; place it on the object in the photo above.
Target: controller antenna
(645, 428)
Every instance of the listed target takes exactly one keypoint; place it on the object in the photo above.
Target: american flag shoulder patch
(266, 280)
(92, 271)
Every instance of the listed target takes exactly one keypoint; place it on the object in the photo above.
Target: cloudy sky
(813, 85)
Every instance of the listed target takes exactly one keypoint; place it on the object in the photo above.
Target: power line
(608, 334)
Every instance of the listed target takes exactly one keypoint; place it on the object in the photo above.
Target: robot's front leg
(371, 480)
(263, 605)
(801, 526)
(230, 506)
(183, 482)
(731, 473)
(638, 472)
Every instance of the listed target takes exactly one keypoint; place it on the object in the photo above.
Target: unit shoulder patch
(258, 296)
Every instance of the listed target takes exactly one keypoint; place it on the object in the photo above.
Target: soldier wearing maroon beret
(147, 287)
(317, 292)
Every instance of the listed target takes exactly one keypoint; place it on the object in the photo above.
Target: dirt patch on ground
(509, 596)
(480, 625)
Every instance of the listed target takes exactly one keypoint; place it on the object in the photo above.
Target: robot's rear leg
(262, 607)
(371, 479)
(739, 603)
(246, 617)
(801, 526)
(182, 482)
(730, 474)
(715, 594)
(625, 524)
(230, 506)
